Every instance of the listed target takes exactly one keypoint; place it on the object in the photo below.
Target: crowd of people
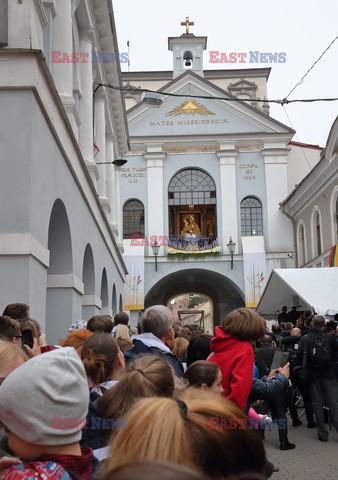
(163, 401)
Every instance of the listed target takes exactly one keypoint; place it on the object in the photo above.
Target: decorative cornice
(190, 149)
(208, 74)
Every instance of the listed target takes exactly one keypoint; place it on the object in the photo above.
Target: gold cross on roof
(187, 24)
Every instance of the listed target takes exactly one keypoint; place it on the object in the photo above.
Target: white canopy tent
(307, 288)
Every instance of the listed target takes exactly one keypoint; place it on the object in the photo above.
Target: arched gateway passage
(224, 294)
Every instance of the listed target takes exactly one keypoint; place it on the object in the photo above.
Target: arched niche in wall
(61, 296)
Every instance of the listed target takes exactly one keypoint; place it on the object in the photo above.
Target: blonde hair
(124, 344)
(155, 432)
(9, 352)
(169, 430)
(181, 348)
(122, 331)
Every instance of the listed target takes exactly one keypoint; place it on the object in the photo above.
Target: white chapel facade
(216, 167)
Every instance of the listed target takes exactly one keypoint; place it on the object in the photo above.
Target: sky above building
(299, 31)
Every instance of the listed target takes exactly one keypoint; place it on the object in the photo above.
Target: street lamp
(155, 248)
(118, 162)
(231, 247)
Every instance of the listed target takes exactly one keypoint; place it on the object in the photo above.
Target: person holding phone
(275, 358)
(272, 388)
(31, 333)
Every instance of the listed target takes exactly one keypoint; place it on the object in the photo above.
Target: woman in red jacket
(232, 351)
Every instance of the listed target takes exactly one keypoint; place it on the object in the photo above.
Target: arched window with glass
(251, 217)
(133, 219)
(192, 204)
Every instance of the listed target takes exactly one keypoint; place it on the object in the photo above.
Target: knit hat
(45, 400)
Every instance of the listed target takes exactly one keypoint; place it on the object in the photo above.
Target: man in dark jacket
(283, 316)
(276, 330)
(156, 337)
(267, 349)
(319, 345)
(293, 315)
(291, 345)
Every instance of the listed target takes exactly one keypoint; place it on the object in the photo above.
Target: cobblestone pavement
(310, 460)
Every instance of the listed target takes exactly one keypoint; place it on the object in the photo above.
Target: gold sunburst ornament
(189, 107)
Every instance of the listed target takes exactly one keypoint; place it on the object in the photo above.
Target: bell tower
(187, 51)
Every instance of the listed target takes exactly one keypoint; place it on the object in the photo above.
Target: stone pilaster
(110, 173)
(229, 210)
(100, 141)
(155, 221)
(86, 136)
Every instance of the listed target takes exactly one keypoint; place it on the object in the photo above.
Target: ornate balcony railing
(190, 245)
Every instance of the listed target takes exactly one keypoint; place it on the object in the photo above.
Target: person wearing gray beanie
(43, 405)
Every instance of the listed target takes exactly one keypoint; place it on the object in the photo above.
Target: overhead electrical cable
(135, 90)
(308, 71)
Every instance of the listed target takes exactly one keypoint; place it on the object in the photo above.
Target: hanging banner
(254, 261)
(134, 287)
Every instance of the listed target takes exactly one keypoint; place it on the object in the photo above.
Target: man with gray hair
(156, 337)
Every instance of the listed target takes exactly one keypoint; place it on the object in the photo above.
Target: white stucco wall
(301, 161)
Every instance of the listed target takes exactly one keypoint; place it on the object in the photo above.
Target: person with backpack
(290, 345)
(321, 347)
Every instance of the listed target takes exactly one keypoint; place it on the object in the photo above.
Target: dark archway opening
(223, 294)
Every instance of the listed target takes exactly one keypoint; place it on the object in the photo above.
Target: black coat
(329, 372)
(291, 345)
(267, 352)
